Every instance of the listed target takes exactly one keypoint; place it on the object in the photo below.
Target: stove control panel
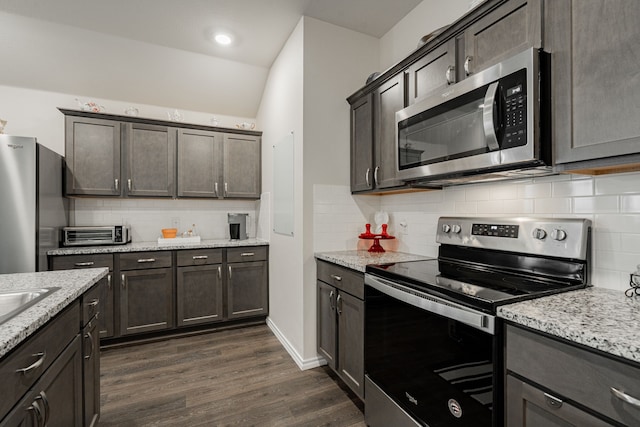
(495, 230)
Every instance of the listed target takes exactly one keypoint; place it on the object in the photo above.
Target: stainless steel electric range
(433, 343)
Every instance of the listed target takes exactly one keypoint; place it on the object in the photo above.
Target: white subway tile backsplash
(552, 205)
(534, 190)
(466, 208)
(573, 188)
(629, 204)
(631, 243)
(618, 183)
(598, 204)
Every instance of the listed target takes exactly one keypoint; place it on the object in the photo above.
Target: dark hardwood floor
(239, 377)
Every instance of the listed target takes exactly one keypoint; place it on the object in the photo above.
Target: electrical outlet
(403, 227)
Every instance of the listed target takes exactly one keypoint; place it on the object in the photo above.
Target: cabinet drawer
(342, 278)
(92, 299)
(22, 368)
(199, 257)
(245, 254)
(574, 373)
(143, 260)
(68, 262)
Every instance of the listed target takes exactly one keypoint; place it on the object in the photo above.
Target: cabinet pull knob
(123, 279)
(553, 401)
(339, 304)
(226, 189)
(366, 176)
(117, 184)
(219, 273)
(337, 278)
(145, 260)
(331, 303)
(129, 184)
(625, 397)
(93, 345)
(196, 257)
(247, 254)
(229, 272)
(35, 365)
(467, 65)
(109, 281)
(449, 74)
(375, 175)
(84, 264)
(215, 188)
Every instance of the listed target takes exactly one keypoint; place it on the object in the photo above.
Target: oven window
(435, 368)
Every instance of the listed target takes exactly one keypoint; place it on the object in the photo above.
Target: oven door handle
(433, 304)
(487, 117)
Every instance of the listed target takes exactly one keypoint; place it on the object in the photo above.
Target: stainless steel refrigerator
(32, 206)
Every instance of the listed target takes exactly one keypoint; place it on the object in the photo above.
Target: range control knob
(558, 235)
(446, 228)
(539, 233)
(456, 228)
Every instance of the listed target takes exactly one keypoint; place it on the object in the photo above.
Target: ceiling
(259, 27)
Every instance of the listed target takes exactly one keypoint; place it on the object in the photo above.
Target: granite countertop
(358, 260)
(154, 246)
(603, 319)
(72, 284)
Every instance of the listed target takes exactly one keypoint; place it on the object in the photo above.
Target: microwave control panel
(515, 130)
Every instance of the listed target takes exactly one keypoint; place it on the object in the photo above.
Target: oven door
(437, 360)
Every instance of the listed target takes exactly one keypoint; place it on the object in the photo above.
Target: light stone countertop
(154, 246)
(358, 260)
(603, 319)
(72, 284)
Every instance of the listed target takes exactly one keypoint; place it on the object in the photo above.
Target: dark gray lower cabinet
(199, 294)
(91, 372)
(246, 290)
(146, 300)
(340, 330)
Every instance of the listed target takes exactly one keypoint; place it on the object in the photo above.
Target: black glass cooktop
(477, 286)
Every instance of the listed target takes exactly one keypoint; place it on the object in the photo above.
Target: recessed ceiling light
(223, 39)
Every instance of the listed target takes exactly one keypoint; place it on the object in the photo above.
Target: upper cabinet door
(511, 28)
(388, 99)
(92, 152)
(199, 163)
(433, 71)
(362, 144)
(595, 48)
(242, 166)
(151, 167)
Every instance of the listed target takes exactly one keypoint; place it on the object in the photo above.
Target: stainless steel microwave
(491, 125)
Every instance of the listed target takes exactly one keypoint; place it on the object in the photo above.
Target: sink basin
(13, 302)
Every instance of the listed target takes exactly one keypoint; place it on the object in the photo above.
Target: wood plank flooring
(239, 377)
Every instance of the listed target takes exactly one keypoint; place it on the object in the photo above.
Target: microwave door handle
(487, 117)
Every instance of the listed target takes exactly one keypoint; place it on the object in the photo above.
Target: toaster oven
(105, 235)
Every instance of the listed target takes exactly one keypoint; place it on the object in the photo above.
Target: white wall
(429, 15)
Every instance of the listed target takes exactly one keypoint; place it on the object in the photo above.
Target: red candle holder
(376, 247)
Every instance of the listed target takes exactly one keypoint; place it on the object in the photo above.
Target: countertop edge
(154, 246)
(358, 259)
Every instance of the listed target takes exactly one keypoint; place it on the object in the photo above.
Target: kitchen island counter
(154, 246)
(599, 318)
(72, 284)
(358, 260)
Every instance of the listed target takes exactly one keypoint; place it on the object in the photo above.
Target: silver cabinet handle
(226, 189)
(35, 407)
(449, 75)
(93, 345)
(117, 184)
(215, 188)
(467, 65)
(625, 397)
(366, 176)
(84, 264)
(229, 272)
(35, 365)
(123, 279)
(146, 260)
(375, 174)
(247, 254)
(487, 117)
(335, 277)
(196, 257)
(331, 304)
(553, 401)
(219, 273)
(109, 281)
(339, 304)
(129, 184)
(47, 410)
(94, 302)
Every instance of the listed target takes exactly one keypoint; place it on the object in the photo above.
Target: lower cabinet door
(106, 319)
(199, 295)
(146, 300)
(247, 285)
(91, 373)
(56, 399)
(327, 324)
(528, 406)
(351, 341)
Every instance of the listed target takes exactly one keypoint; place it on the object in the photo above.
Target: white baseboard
(303, 364)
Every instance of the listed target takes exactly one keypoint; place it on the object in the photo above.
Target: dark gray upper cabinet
(151, 167)
(595, 82)
(199, 163)
(92, 155)
(362, 144)
(242, 166)
(433, 71)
